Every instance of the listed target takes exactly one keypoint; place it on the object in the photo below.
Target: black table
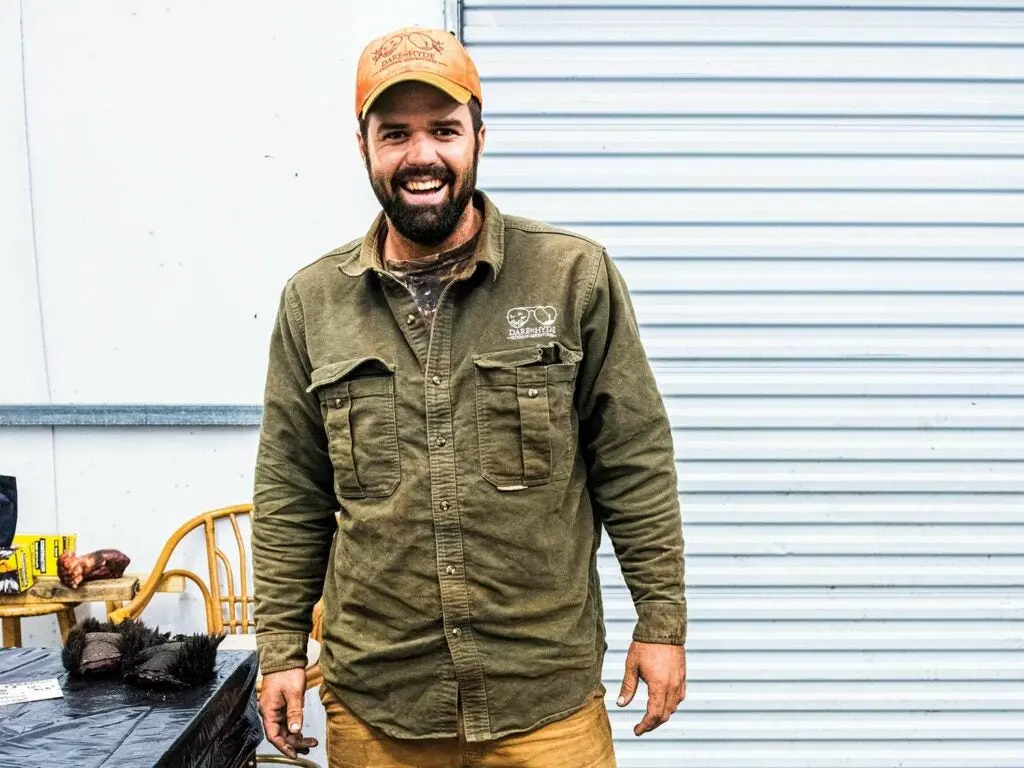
(109, 723)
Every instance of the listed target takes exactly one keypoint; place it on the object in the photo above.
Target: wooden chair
(227, 592)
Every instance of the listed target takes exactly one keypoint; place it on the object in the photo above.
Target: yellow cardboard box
(15, 569)
(44, 549)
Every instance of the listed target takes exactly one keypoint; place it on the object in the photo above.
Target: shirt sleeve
(294, 503)
(626, 441)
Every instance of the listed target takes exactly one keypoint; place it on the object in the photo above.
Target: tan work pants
(581, 740)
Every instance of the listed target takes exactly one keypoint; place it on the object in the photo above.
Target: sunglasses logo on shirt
(532, 322)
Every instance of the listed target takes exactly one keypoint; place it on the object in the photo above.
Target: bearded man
(457, 406)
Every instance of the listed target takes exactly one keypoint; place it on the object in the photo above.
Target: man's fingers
(294, 710)
(270, 712)
(273, 725)
(677, 694)
(649, 723)
(301, 744)
(630, 681)
(276, 736)
(657, 712)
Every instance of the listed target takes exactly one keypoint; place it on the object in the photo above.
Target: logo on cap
(414, 45)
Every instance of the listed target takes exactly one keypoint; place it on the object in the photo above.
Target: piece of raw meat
(72, 569)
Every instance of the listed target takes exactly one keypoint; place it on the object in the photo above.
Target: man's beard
(428, 225)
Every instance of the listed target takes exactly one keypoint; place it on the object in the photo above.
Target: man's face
(421, 155)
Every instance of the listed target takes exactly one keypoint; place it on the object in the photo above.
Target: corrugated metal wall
(820, 212)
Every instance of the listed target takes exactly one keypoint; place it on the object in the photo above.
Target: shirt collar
(490, 248)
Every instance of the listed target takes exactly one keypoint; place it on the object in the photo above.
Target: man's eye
(444, 132)
(394, 135)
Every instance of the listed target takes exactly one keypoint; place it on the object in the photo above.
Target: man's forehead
(407, 101)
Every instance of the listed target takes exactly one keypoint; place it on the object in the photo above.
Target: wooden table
(48, 596)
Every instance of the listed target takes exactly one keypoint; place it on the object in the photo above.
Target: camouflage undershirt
(426, 278)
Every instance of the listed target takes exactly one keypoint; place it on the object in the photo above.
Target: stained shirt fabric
(426, 278)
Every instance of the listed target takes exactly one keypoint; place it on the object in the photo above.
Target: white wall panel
(22, 364)
(819, 210)
(556, 60)
(805, 139)
(855, 276)
(821, 207)
(780, 310)
(838, 509)
(716, 23)
(879, 238)
(648, 172)
(879, 5)
(187, 158)
(791, 99)
(28, 455)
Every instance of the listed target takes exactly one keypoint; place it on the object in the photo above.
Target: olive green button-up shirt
(446, 488)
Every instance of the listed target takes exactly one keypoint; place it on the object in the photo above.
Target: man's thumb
(293, 704)
(629, 682)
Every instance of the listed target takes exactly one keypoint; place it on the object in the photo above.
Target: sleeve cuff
(661, 623)
(279, 651)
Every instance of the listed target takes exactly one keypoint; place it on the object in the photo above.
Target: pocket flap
(545, 354)
(508, 358)
(347, 369)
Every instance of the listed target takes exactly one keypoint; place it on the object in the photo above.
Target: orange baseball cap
(430, 56)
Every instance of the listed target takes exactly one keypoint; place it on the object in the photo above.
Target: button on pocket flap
(368, 373)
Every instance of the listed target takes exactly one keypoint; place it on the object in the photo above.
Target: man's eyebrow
(450, 122)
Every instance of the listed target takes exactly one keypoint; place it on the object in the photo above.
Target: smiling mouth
(426, 189)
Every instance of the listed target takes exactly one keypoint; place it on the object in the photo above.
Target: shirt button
(436, 380)
(410, 319)
(532, 392)
(441, 442)
(445, 506)
(337, 402)
(450, 570)
(456, 632)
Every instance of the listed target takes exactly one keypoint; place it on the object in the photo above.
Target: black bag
(8, 510)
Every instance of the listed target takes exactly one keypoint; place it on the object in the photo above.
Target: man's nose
(421, 151)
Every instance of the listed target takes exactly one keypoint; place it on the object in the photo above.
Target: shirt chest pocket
(524, 402)
(357, 401)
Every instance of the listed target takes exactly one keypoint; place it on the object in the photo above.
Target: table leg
(66, 621)
(113, 605)
(12, 632)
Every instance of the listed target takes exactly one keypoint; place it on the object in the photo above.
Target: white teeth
(423, 186)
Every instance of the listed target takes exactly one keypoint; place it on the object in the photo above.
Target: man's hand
(281, 701)
(663, 668)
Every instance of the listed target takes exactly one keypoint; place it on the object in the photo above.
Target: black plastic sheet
(109, 723)
(8, 510)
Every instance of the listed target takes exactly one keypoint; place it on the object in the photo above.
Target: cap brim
(457, 92)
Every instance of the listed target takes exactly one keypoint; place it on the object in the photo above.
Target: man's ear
(362, 147)
(481, 139)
